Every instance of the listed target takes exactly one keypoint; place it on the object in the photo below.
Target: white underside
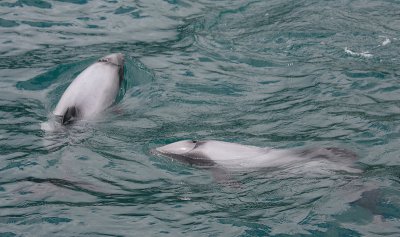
(92, 91)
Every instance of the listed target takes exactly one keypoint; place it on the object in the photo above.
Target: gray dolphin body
(233, 156)
(93, 90)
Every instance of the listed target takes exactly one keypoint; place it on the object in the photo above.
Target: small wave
(364, 54)
(386, 41)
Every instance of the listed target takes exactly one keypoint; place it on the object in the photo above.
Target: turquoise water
(266, 73)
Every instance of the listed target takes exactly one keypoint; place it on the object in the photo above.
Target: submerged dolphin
(93, 90)
(233, 156)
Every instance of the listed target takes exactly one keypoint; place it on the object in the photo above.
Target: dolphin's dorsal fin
(70, 115)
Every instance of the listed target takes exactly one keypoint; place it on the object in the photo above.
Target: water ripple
(278, 73)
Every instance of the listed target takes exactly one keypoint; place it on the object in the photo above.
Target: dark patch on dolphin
(70, 115)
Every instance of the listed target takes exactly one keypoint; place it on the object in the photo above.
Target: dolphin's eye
(194, 141)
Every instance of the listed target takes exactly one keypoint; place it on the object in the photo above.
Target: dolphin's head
(116, 59)
(186, 151)
(177, 148)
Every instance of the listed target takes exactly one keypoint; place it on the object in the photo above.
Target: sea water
(283, 74)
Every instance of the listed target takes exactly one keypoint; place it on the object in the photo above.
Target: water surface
(266, 73)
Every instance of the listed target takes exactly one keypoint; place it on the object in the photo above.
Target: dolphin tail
(70, 115)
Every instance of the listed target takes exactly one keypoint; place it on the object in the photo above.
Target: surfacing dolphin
(223, 157)
(93, 90)
(233, 156)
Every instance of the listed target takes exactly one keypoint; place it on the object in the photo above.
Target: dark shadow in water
(81, 2)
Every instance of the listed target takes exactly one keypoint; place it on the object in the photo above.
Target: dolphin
(233, 156)
(224, 158)
(92, 91)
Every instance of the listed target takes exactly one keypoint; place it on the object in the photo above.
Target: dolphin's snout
(154, 151)
(120, 58)
(115, 59)
(180, 147)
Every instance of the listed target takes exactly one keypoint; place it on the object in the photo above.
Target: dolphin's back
(235, 156)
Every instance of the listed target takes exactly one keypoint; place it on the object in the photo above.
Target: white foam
(365, 54)
(386, 41)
